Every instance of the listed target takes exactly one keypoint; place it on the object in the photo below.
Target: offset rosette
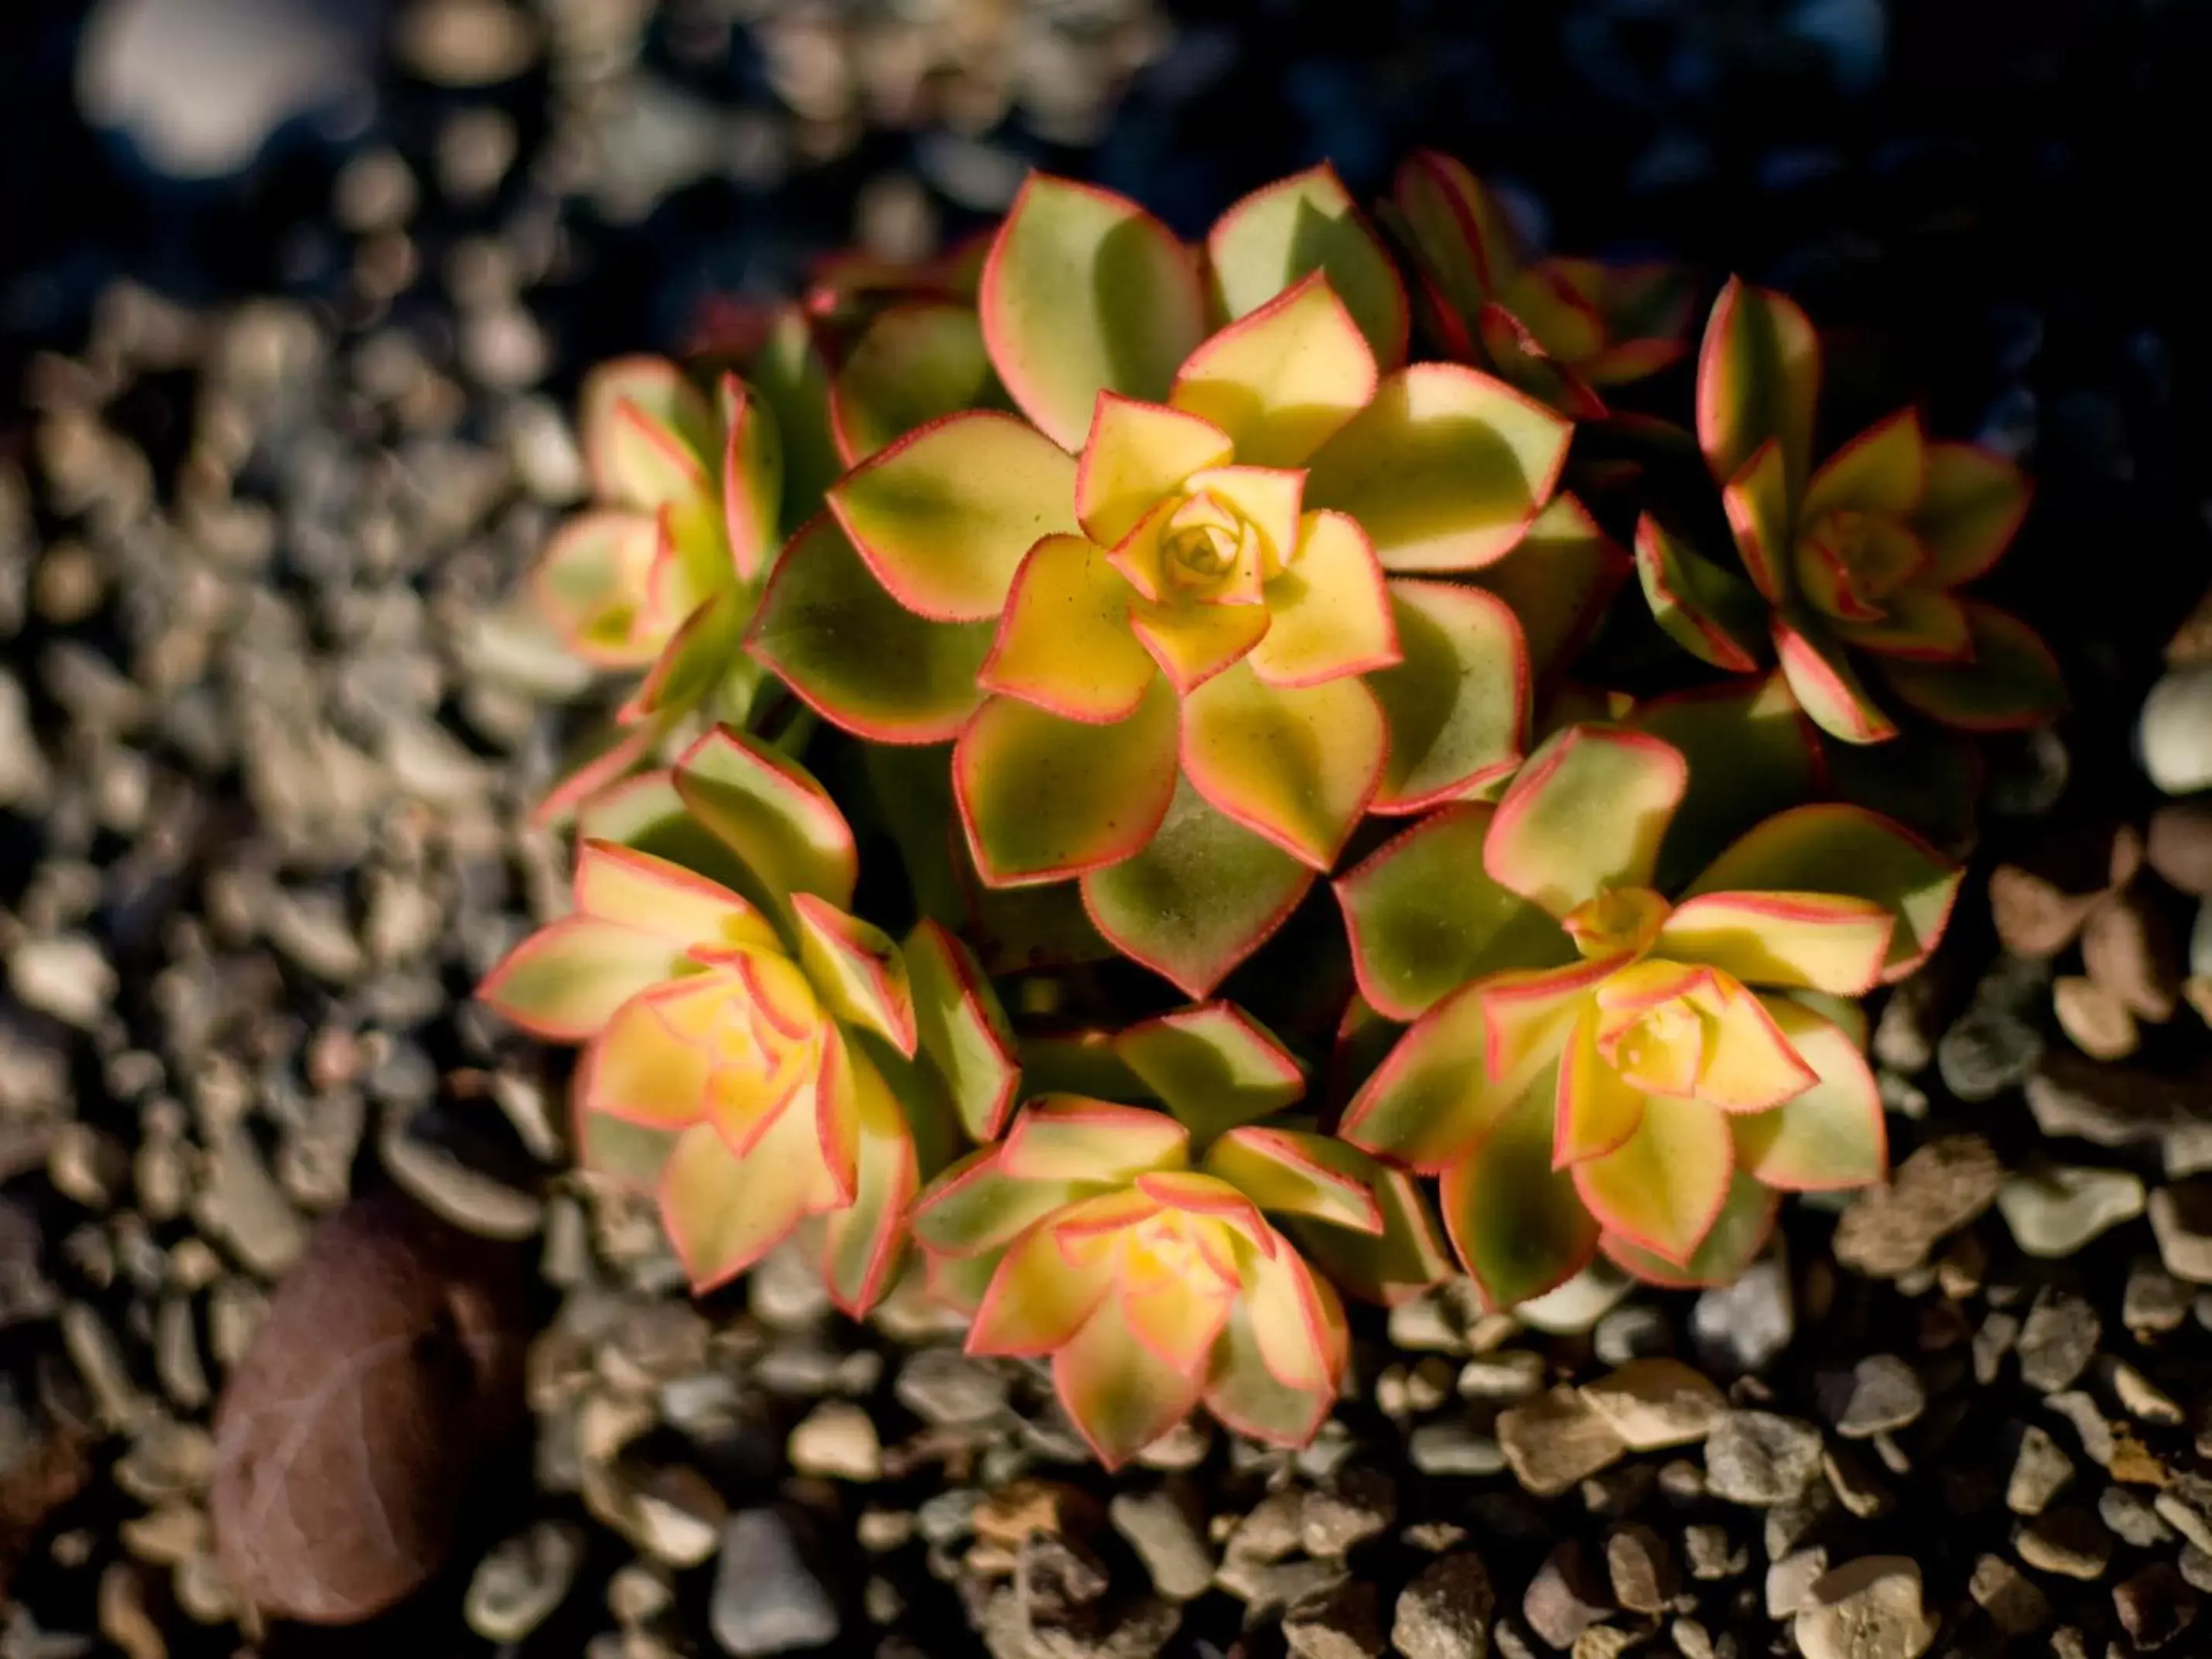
(1852, 567)
(660, 575)
(1561, 329)
(763, 1056)
(1594, 1065)
(1164, 1256)
(1186, 622)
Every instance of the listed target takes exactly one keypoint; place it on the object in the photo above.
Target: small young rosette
(763, 1056)
(1561, 329)
(1182, 619)
(659, 573)
(1591, 1065)
(1161, 1257)
(1853, 565)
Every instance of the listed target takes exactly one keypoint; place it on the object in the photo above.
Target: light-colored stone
(1656, 1402)
(838, 1441)
(1555, 1440)
(521, 1581)
(766, 1599)
(2181, 1220)
(1160, 1529)
(2173, 734)
(2053, 1213)
(1869, 1608)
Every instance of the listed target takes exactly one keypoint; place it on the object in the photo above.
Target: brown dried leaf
(388, 1364)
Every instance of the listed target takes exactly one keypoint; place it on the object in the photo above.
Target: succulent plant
(1563, 328)
(1593, 1065)
(759, 1056)
(1189, 607)
(1133, 1244)
(1852, 565)
(661, 573)
(1134, 578)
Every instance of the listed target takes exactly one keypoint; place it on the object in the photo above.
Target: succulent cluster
(1156, 614)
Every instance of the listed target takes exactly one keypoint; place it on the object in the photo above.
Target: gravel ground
(265, 741)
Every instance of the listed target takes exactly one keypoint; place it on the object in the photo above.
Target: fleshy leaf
(1297, 765)
(1330, 611)
(1808, 941)
(1084, 292)
(1214, 1066)
(1096, 1143)
(856, 655)
(1445, 470)
(770, 812)
(1431, 1102)
(1245, 1395)
(631, 1155)
(590, 586)
(1836, 848)
(1738, 1234)
(1758, 377)
(1597, 1110)
(2011, 683)
(1464, 244)
(1883, 469)
(857, 970)
(723, 1213)
(1711, 612)
(1192, 643)
(1043, 798)
(1424, 917)
(752, 476)
(1757, 501)
(644, 811)
(1284, 380)
(1456, 701)
(1037, 1299)
(1751, 753)
(1201, 896)
(1136, 455)
(1120, 1395)
(1826, 686)
(1296, 1323)
(1286, 231)
(1518, 1225)
(1406, 1257)
(976, 1206)
(564, 982)
(792, 380)
(658, 896)
(860, 1241)
(963, 1031)
(1828, 1136)
(945, 516)
(1973, 508)
(1557, 581)
(1064, 644)
(1663, 1187)
(1288, 1171)
(1587, 811)
(645, 432)
(916, 363)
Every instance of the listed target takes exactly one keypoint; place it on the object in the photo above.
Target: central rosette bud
(762, 1036)
(1849, 562)
(1619, 922)
(1212, 554)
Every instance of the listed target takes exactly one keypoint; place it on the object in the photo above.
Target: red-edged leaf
(1084, 292)
(856, 655)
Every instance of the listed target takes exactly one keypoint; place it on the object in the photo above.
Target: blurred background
(295, 296)
(1998, 192)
